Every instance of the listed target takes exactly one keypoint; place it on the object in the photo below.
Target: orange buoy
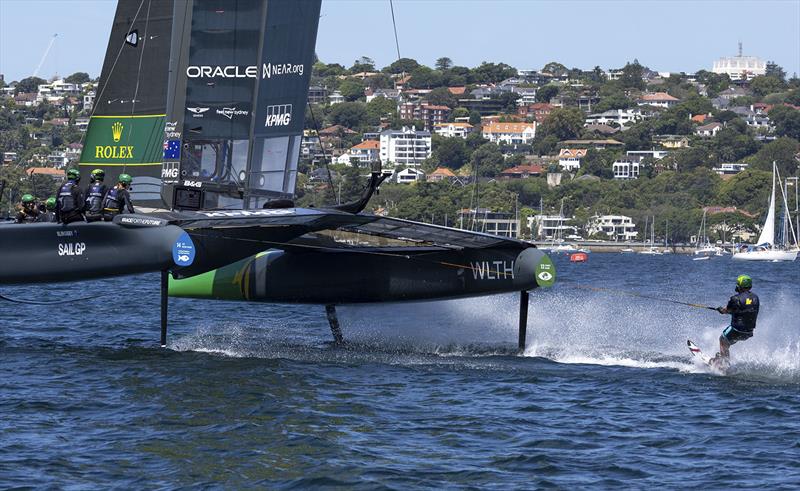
(579, 257)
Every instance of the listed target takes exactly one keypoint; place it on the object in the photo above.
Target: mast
(767, 235)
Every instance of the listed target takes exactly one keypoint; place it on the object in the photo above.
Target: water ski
(715, 364)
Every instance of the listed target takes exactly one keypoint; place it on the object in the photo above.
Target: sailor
(743, 308)
(118, 199)
(28, 211)
(95, 195)
(49, 213)
(69, 202)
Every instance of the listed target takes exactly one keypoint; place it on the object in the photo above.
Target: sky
(677, 35)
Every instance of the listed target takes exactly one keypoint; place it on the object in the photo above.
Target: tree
(423, 77)
(378, 108)
(598, 163)
(442, 97)
(748, 189)
(450, 152)
(349, 114)
(554, 68)
(544, 94)
(766, 84)
(29, 84)
(775, 70)
(786, 120)
(352, 89)
(781, 151)
(492, 73)
(632, 74)
(474, 118)
(444, 63)
(363, 64)
(488, 160)
(562, 123)
(78, 78)
(333, 70)
(403, 65)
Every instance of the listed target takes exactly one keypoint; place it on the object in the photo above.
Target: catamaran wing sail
(126, 128)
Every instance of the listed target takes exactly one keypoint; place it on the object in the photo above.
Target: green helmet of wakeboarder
(743, 308)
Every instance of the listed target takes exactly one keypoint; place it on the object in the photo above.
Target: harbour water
(426, 395)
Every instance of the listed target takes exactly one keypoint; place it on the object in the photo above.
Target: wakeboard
(719, 366)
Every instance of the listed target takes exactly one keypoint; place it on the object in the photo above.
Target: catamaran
(203, 103)
(766, 248)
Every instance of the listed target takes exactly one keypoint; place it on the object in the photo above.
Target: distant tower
(740, 49)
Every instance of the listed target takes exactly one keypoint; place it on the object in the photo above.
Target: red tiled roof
(524, 169)
(658, 96)
(369, 145)
(457, 90)
(443, 171)
(507, 127)
(46, 171)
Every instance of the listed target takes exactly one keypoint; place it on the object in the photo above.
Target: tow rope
(42, 302)
(639, 295)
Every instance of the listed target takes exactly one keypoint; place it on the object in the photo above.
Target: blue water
(427, 395)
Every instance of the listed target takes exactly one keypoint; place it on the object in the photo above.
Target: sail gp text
(72, 249)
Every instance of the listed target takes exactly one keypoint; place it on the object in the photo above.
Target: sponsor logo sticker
(183, 250)
(230, 112)
(71, 249)
(278, 115)
(197, 112)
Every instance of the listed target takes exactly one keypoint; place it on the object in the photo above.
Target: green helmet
(744, 281)
(27, 199)
(98, 174)
(50, 203)
(74, 174)
(125, 179)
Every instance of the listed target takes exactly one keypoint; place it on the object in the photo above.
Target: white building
(409, 175)
(336, 98)
(619, 117)
(363, 153)
(490, 222)
(405, 147)
(658, 99)
(740, 67)
(570, 158)
(88, 101)
(551, 226)
(730, 169)
(56, 90)
(708, 130)
(638, 155)
(626, 169)
(615, 227)
(452, 130)
(510, 133)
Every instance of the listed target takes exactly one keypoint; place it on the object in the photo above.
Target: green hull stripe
(200, 286)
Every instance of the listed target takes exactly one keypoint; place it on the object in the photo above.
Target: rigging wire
(99, 96)
(322, 147)
(138, 74)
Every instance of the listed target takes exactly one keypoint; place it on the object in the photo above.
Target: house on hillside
(453, 130)
(569, 159)
(615, 227)
(708, 130)
(409, 175)
(538, 111)
(596, 144)
(625, 168)
(57, 175)
(510, 133)
(521, 172)
(658, 99)
(441, 174)
(619, 117)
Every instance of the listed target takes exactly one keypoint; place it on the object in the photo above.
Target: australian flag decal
(172, 150)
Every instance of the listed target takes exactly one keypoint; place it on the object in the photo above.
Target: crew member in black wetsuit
(743, 308)
(49, 213)
(117, 199)
(28, 212)
(95, 195)
(70, 201)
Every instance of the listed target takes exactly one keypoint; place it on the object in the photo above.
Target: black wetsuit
(95, 195)
(27, 215)
(47, 217)
(117, 200)
(743, 308)
(69, 203)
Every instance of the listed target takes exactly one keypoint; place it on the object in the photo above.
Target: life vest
(94, 198)
(111, 204)
(66, 198)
